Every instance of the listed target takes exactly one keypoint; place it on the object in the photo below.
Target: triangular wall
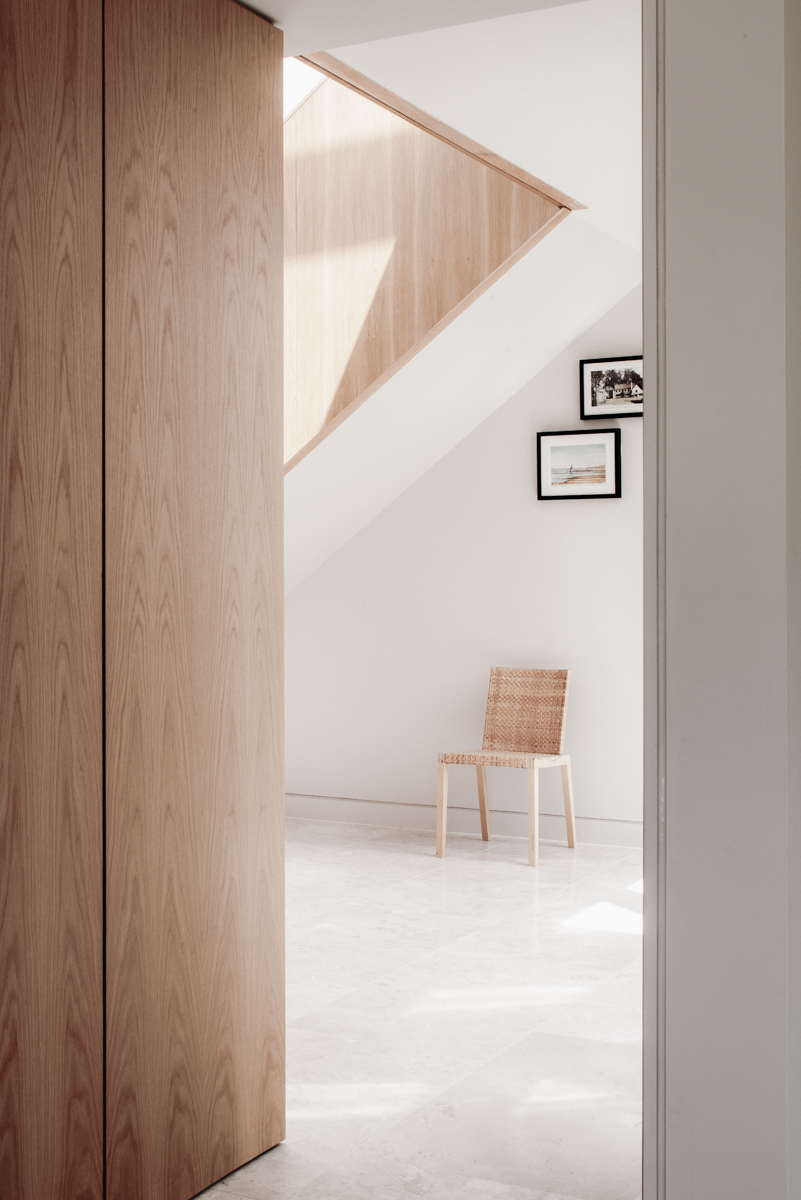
(390, 231)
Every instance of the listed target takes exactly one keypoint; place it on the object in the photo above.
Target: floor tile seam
(332, 1166)
(478, 853)
(530, 1029)
(432, 1099)
(308, 858)
(336, 846)
(426, 871)
(376, 1136)
(483, 923)
(418, 1108)
(343, 845)
(615, 973)
(379, 887)
(586, 878)
(480, 1062)
(622, 970)
(373, 841)
(555, 892)
(615, 862)
(446, 945)
(482, 849)
(533, 1024)
(434, 867)
(482, 846)
(291, 1024)
(293, 1195)
(481, 1067)
(429, 954)
(453, 1083)
(501, 837)
(316, 855)
(417, 874)
(613, 1004)
(353, 991)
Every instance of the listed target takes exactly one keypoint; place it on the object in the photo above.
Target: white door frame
(722, 343)
(654, 831)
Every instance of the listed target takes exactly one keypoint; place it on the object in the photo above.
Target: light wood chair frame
(527, 735)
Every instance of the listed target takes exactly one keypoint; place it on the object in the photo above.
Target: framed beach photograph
(578, 464)
(611, 387)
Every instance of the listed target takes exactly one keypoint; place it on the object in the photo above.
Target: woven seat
(496, 758)
(524, 728)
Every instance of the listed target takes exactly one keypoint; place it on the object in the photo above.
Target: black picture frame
(582, 484)
(590, 409)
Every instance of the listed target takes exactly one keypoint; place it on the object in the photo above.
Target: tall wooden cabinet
(51, 607)
(141, 676)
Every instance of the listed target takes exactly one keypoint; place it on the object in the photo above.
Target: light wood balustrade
(392, 228)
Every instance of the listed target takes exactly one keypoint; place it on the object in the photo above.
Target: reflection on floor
(465, 1027)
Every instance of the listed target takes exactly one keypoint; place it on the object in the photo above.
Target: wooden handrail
(481, 216)
(376, 92)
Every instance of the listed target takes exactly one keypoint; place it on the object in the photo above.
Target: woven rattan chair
(525, 728)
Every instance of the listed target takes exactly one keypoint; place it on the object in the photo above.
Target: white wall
(582, 137)
(717, 785)
(390, 642)
(466, 372)
(533, 87)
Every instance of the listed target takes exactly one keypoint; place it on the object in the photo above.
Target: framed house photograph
(578, 464)
(611, 387)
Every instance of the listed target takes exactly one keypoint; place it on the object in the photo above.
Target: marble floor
(464, 1027)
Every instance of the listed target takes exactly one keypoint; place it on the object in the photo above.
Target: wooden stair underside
(392, 228)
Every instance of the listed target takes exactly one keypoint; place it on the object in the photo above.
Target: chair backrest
(526, 710)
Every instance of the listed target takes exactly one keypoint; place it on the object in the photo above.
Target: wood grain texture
(194, 601)
(389, 233)
(334, 68)
(51, 714)
(433, 332)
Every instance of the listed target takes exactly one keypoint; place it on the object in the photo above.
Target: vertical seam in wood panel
(661, 601)
(103, 567)
(295, 252)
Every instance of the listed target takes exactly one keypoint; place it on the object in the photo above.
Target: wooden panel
(350, 77)
(194, 342)
(394, 231)
(51, 724)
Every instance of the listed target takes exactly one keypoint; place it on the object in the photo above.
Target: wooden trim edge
(357, 82)
(300, 103)
(456, 311)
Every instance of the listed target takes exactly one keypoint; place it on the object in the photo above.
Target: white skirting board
(592, 830)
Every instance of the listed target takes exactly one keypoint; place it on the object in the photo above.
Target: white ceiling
(310, 25)
(557, 91)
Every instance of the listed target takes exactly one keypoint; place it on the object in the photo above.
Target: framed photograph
(578, 464)
(611, 387)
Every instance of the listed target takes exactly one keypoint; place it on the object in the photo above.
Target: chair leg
(533, 816)
(570, 812)
(483, 806)
(442, 807)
